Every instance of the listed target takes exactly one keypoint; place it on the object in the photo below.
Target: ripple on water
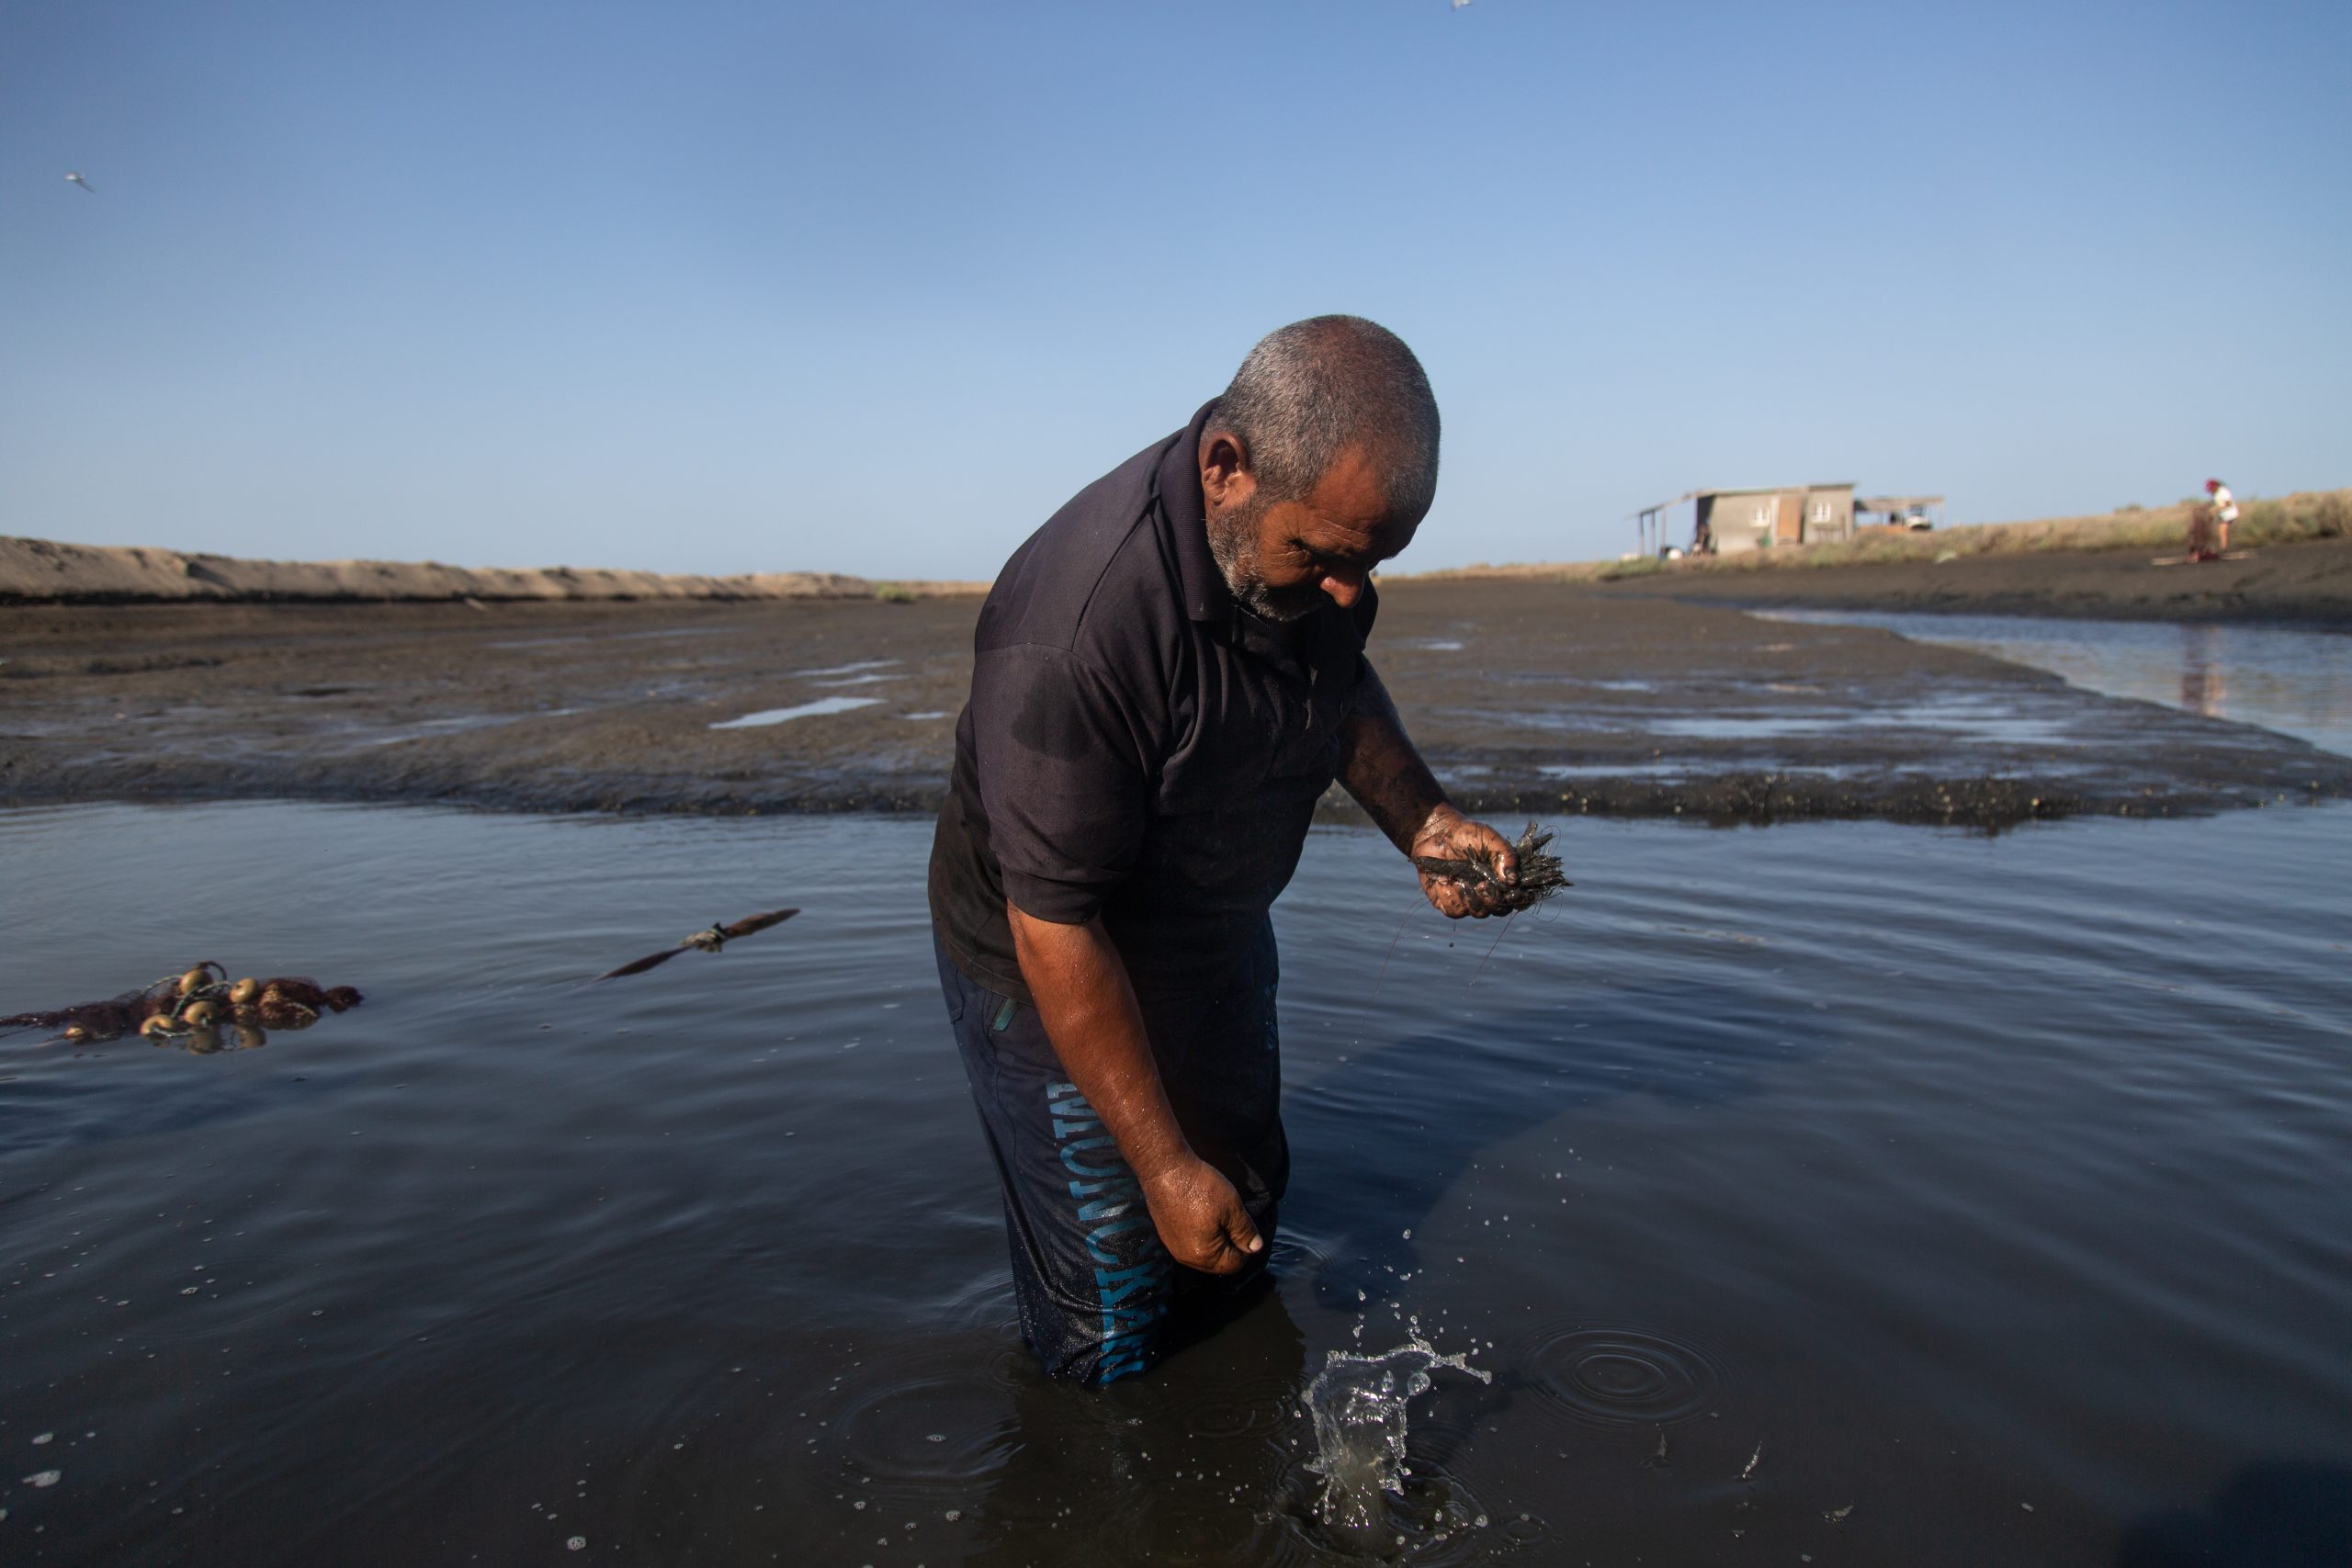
(938, 1431)
(1622, 1376)
(1260, 1404)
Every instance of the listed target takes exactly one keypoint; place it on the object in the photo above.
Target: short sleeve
(1060, 760)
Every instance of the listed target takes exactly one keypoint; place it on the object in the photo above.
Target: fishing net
(202, 1001)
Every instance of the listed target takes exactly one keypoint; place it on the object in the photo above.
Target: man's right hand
(1080, 983)
(1200, 1217)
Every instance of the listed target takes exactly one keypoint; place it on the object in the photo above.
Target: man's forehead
(1348, 509)
(1354, 537)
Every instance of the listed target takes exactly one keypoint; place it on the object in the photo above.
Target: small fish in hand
(710, 939)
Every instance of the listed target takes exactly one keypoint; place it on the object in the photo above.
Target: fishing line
(1490, 951)
(1392, 950)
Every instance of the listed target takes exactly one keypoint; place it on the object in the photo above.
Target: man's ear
(1226, 479)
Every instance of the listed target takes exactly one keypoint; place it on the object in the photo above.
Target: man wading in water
(1169, 672)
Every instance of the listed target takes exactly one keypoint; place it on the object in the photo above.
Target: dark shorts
(1099, 1298)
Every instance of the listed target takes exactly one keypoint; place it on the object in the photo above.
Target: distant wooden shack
(1733, 521)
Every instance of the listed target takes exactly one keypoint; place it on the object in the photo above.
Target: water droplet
(44, 1478)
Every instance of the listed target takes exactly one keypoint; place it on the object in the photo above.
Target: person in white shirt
(2225, 512)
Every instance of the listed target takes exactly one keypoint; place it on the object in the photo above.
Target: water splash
(1358, 1406)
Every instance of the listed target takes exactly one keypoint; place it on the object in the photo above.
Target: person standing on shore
(1169, 675)
(2225, 512)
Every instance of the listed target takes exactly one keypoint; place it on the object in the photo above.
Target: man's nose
(1344, 590)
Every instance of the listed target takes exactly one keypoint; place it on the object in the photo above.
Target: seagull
(75, 176)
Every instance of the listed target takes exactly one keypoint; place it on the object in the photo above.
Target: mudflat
(2307, 584)
(1527, 696)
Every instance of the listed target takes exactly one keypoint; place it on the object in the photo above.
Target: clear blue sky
(873, 288)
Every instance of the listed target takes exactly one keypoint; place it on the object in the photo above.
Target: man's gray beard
(1233, 544)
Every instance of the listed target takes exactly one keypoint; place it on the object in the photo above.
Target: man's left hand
(1449, 835)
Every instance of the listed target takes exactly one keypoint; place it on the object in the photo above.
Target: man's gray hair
(1312, 390)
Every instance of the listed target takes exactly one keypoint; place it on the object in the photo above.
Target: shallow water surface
(1843, 1190)
(2295, 681)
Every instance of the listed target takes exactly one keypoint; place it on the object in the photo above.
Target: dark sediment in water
(1528, 697)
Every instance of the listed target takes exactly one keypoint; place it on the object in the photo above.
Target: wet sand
(1527, 696)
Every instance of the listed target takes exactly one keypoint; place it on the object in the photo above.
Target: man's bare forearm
(1080, 983)
(1089, 1010)
(1379, 766)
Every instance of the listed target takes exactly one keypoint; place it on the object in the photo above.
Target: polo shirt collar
(1178, 482)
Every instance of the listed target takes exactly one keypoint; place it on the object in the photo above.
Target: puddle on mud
(1990, 721)
(803, 710)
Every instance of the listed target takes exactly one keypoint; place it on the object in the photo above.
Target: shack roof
(1894, 503)
(1753, 490)
(1774, 490)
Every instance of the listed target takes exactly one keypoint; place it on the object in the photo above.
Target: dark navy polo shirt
(1138, 747)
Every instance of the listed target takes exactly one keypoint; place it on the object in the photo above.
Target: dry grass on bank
(2308, 514)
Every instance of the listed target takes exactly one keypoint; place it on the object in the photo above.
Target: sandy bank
(43, 572)
(2307, 584)
(2296, 567)
(1528, 697)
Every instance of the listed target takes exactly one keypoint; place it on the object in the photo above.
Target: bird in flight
(710, 939)
(75, 176)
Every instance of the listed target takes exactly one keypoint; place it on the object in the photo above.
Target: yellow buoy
(156, 1027)
(195, 980)
(201, 1015)
(244, 990)
(77, 1035)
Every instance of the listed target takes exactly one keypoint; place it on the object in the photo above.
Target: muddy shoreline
(1528, 697)
(2307, 585)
